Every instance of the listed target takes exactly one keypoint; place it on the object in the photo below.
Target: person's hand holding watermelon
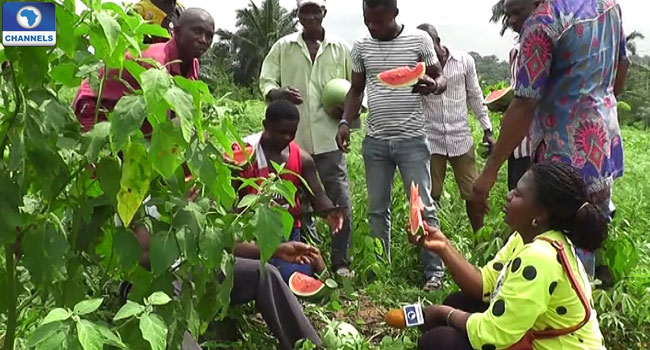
(425, 86)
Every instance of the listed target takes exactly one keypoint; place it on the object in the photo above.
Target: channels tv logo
(28, 24)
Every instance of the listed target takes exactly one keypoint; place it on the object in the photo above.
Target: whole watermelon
(334, 94)
(340, 335)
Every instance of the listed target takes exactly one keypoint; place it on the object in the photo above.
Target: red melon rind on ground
(402, 76)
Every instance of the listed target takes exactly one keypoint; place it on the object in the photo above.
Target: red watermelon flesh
(240, 158)
(304, 286)
(402, 76)
(499, 99)
(415, 219)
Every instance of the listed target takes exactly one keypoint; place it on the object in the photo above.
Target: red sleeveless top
(294, 164)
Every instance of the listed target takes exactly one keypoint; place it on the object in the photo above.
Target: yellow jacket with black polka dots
(528, 289)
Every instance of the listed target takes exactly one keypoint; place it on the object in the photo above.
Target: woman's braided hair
(561, 190)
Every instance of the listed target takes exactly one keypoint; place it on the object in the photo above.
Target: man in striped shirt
(395, 133)
(447, 124)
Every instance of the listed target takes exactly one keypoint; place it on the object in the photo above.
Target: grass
(624, 310)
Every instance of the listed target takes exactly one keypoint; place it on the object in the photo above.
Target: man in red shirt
(276, 144)
(191, 38)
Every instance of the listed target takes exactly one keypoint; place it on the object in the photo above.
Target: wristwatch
(344, 122)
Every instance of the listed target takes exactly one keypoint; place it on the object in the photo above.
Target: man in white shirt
(447, 124)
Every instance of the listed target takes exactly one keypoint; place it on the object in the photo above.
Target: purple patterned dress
(570, 50)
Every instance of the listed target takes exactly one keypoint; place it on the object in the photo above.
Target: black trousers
(516, 169)
(273, 299)
(442, 337)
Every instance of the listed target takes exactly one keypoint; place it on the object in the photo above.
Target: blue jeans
(412, 157)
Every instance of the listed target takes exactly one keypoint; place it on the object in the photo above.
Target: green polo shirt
(289, 64)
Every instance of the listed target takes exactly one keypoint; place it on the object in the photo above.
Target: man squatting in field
(297, 69)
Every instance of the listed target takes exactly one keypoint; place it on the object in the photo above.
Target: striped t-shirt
(394, 114)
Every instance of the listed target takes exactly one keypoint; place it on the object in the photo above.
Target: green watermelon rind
(414, 75)
(334, 93)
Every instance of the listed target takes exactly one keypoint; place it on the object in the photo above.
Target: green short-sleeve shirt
(527, 288)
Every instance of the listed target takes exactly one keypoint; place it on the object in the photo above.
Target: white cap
(319, 3)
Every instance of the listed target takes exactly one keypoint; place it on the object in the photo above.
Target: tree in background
(258, 28)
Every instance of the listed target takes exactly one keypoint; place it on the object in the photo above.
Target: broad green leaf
(33, 64)
(287, 190)
(44, 255)
(214, 174)
(108, 173)
(188, 243)
(55, 315)
(133, 44)
(270, 231)
(50, 173)
(248, 200)
(129, 309)
(223, 296)
(50, 115)
(95, 140)
(287, 222)
(181, 103)
(154, 330)
(45, 332)
(168, 148)
(10, 218)
(155, 84)
(65, 21)
(127, 117)
(152, 30)
(163, 252)
(158, 298)
(135, 70)
(92, 4)
(134, 185)
(111, 6)
(196, 87)
(87, 306)
(191, 217)
(126, 249)
(110, 26)
(90, 230)
(65, 74)
(90, 337)
(211, 246)
(3, 57)
(109, 337)
(57, 341)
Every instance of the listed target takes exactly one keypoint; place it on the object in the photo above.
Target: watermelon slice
(415, 219)
(499, 100)
(402, 76)
(305, 286)
(239, 158)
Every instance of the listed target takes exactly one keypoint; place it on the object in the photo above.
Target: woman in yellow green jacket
(526, 292)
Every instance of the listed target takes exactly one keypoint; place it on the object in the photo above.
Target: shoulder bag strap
(576, 286)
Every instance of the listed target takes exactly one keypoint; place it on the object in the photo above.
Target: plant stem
(14, 115)
(100, 93)
(11, 293)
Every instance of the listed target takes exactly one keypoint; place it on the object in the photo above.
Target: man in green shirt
(296, 69)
